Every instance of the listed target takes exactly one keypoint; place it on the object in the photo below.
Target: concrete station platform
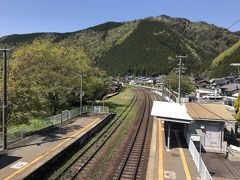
(174, 164)
(26, 156)
(221, 167)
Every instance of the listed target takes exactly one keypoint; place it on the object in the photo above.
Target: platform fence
(20, 131)
(201, 167)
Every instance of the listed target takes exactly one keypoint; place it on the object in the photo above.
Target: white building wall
(199, 128)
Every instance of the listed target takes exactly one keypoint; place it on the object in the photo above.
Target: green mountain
(221, 64)
(146, 46)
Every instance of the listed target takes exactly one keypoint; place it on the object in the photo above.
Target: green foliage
(44, 76)
(221, 64)
(142, 47)
(186, 83)
(237, 108)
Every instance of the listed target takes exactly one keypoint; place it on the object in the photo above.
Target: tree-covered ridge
(146, 46)
(221, 64)
(152, 47)
(96, 42)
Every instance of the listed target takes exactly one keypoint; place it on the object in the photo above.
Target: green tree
(237, 108)
(186, 83)
(44, 77)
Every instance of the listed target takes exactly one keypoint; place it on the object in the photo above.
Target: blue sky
(27, 16)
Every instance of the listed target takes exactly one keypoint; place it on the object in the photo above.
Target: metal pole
(61, 117)
(103, 106)
(163, 90)
(179, 80)
(92, 106)
(168, 140)
(215, 93)
(200, 150)
(81, 77)
(4, 114)
(169, 93)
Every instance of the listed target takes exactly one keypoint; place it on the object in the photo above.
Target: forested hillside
(146, 46)
(221, 64)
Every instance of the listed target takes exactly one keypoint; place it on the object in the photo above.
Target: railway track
(134, 161)
(84, 159)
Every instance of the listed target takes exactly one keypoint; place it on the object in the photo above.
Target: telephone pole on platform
(4, 99)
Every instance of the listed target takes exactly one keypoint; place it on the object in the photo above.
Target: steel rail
(120, 118)
(146, 111)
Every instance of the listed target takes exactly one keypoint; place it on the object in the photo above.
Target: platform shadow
(176, 130)
(5, 160)
(51, 134)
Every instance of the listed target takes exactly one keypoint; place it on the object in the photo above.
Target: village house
(230, 89)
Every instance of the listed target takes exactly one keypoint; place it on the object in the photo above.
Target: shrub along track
(78, 166)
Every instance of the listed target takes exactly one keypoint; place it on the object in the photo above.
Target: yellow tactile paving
(160, 159)
(184, 161)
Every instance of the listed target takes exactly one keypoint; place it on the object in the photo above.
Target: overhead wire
(234, 24)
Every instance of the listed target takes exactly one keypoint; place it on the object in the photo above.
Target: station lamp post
(4, 99)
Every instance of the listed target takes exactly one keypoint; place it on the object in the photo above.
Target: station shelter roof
(213, 112)
(188, 112)
(171, 111)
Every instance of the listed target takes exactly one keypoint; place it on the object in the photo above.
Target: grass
(116, 142)
(119, 102)
(16, 132)
(114, 146)
(116, 104)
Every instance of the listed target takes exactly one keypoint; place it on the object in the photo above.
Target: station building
(205, 121)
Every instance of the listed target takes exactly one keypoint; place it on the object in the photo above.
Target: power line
(234, 24)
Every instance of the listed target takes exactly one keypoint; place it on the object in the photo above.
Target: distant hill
(145, 46)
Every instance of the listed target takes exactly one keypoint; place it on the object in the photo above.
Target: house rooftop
(212, 112)
(231, 86)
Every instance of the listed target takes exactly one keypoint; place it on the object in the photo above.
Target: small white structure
(204, 91)
(171, 111)
(229, 102)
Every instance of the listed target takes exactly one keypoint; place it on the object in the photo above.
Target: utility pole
(179, 75)
(81, 92)
(81, 79)
(5, 103)
(163, 90)
(169, 92)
